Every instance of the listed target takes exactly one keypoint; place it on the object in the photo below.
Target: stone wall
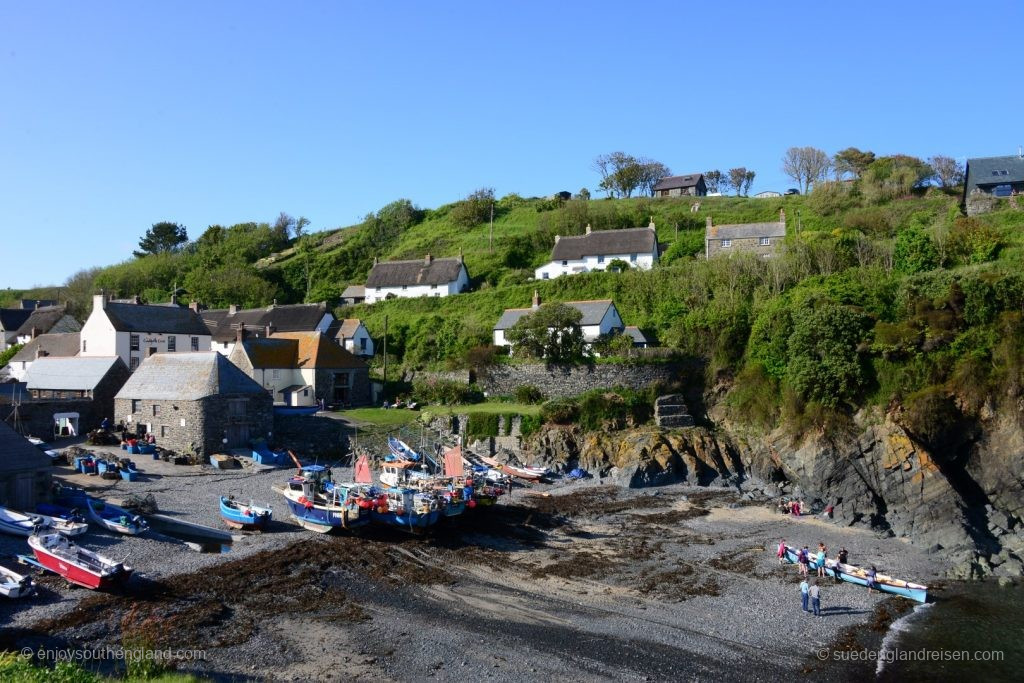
(36, 416)
(559, 382)
(311, 436)
(358, 383)
(752, 244)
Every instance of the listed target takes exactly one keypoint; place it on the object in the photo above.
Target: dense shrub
(560, 411)
(932, 417)
(482, 425)
(615, 409)
(527, 393)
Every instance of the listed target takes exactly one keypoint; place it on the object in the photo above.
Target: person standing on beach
(822, 554)
(815, 594)
(804, 587)
(872, 573)
(781, 554)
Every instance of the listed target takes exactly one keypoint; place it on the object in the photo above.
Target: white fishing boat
(21, 524)
(14, 585)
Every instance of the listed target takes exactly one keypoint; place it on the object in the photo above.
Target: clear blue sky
(117, 115)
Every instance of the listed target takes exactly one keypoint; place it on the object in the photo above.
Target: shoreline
(567, 580)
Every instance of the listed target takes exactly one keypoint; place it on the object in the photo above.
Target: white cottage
(224, 323)
(595, 250)
(134, 331)
(353, 336)
(423, 277)
(599, 317)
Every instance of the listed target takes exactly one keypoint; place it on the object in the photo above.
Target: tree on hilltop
(713, 180)
(805, 166)
(623, 174)
(851, 161)
(948, 171)
(162, 238)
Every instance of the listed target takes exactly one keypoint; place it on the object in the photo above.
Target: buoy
(471, 503)
(381, 509)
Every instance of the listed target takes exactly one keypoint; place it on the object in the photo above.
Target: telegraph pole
(385, 387)
(490, 236)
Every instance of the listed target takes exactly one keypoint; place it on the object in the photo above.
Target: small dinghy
(14, 585)
(244, 516)
(859, 576)
(21, 524)
(76, 564)
(110, 517)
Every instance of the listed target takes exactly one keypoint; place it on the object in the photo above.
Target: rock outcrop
(968, 505)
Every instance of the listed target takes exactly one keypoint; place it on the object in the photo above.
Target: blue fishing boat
(402, 451)
(407, 509)
(249, 516)
(110, 517)
(857, 575)
(320, 504)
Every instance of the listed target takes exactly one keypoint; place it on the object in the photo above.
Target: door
(238, 436)
(22, 496)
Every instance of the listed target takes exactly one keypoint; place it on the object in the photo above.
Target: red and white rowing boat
(76, 564)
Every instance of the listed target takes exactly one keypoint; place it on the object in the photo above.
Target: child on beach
(781, 554)
(822, 554)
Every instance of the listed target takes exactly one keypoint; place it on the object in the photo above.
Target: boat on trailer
(22, 524)
(858, 575)
(76, 564)
(247, 516)
(14, 585)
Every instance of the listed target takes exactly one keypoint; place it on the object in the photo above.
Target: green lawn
(379, 416)
(488, 407)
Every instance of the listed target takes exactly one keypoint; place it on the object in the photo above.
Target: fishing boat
(76, 564)
(320, 504)
(858, 575)
(402, 451)
(21, 524)
(106, 515)
(14, 585)
(401, 473)
(408, 509)
(244, 516)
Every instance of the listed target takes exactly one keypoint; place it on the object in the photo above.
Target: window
(546, 276)
(565, 263)
(172, 343)
(632, 258)
(726, 244)
(766, 241)
(362, 343)
(83, 347)
(164, 431)
(236, 408)
(600, 259)
(135, 405)
(405, 287)
(378, 289)
(305, 392)
(195, 343)
(433, 286)
(341, 379)
(133, 364)
(133, 342)
(275, 373)
(156, 410)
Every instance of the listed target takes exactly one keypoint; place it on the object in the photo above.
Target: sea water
(971, 629)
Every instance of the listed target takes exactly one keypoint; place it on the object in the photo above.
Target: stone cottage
(764, 239)
(195, 401)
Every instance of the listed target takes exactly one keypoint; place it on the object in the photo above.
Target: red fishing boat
(78, 565)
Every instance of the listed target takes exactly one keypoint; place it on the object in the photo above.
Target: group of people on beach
(807, 561)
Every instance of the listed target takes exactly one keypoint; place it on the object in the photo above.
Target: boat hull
(411, 522)
(323, 519)
(852, 574)
(257, 518)
(79, 575)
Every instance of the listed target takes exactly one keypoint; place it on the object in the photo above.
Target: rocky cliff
(967, 505)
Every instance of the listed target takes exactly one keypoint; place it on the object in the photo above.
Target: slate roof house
(24, 471)
(224, 323)
(599, 317)
(45, 320)
(351, 334)
(423, 277)
(74, 394)
(759, 238)
(353, 294)
(640, 340)
(681, 186)
(597, 248)
(302, 368)
(11, 320)
(986, 174)
(135, 331)
(29, 304)
(195, 401)
(57, 345)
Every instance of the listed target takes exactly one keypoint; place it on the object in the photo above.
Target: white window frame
(765, 242)
(726, 244)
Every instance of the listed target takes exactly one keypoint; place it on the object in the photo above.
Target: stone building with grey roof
(24, 471)
(195, 401)
(135, 331)
(71, 395)
(597, 249)
(600, 317)
(691, 185)
(428, 276)
(763, 239)
(991, 176)
(62, 345)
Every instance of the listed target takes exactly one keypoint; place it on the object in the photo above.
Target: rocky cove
(964, 505)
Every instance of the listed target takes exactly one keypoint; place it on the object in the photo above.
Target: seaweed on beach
(578, 565)
(678, 584)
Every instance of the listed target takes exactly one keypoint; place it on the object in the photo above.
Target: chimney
(557, 237)
(174, 298)
(588, 228)
(462, 258)
(651, 224)
(99, 300)
(375, 260)
(193, 306)
(137, 299)
(40, 353)
(240, 334)
(708, 223)
(427, 260)
(536, 299)
(782, 216)
(35, 332)
(275, 303)
(270, 330)
(232, 309)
